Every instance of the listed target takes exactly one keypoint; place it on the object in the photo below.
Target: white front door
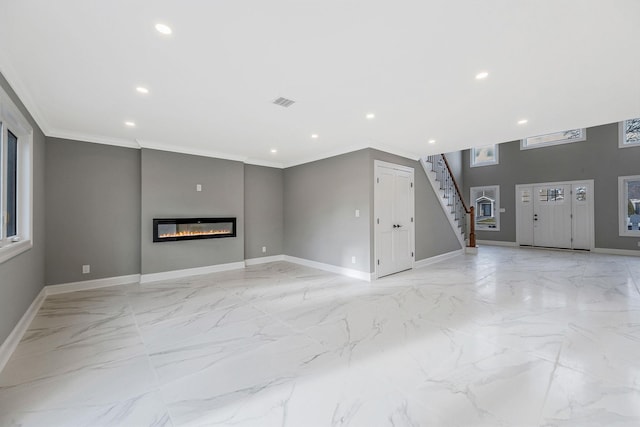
(556, 215)
(552, 216)
(394, 213)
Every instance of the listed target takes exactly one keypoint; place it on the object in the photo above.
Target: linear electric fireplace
(172, 229)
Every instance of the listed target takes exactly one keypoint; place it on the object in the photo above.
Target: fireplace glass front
(172, 229)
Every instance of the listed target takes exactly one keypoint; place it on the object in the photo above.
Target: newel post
(472, 229)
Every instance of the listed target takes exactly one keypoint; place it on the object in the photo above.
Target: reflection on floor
(506, 337)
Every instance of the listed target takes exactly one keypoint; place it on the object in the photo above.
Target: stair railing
(452, 193)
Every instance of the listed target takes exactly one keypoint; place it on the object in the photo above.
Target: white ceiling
(558, 63)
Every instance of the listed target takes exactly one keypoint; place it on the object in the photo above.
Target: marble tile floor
(508, 337)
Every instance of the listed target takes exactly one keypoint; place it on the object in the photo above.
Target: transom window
(564, 137)
(484, 156)
(629, 133)
(629, 205)
(16, 138)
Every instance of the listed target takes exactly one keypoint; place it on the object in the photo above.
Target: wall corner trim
(438, 258)
(176, 274)
(361, 275)
(264, 260)
(11, 343)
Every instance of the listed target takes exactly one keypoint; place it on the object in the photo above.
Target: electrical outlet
(264, 249)
(86, 269)
(357, 213)
(198, 187)
(353, 260)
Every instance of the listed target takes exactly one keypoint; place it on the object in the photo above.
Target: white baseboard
(176, 274)
(626, 252)
(9, 345)
(361, 275)
(437, 258)
(497, 243)
(91, 284)
(263, 260)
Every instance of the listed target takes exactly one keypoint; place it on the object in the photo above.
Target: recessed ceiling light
(163, 29)
(482, 75)
(314, 136)
(522, 122)
(141, 89)
(432, 141)
(274, 151)
(371, 116)
(130, 124)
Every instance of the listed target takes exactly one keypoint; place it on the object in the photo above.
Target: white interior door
(394, 211)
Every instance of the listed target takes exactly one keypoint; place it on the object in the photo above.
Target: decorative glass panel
(564, 137)
(484, 156)
(556, 194)
(542, 195)
(581, 194)
(630, 133)
(526, 196)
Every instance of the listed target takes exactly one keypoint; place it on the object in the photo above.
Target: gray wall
(263, 216)
(169, 191)
(434, 235)
(320, 199)
(455, 163)
(93, 211)
(22, 277)
(597, 158)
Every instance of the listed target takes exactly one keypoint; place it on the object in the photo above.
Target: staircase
(461, 217)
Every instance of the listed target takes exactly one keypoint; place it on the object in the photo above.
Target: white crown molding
(152, 145)
(95, 139)
(327, 154)
(265, 163)
(390, 150)
(24, 95)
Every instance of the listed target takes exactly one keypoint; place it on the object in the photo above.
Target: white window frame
(13, 120)
(525, 143)
(623, 203)
(622, 136)
(472, 156)
(496, 211)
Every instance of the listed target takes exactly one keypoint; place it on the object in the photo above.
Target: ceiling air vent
(284, 102)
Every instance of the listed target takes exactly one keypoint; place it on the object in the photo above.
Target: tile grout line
(148, 357)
